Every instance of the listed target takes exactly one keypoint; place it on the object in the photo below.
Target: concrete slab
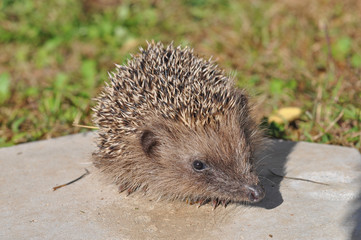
(91, 209)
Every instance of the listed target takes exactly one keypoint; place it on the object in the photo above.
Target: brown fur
(153, 126)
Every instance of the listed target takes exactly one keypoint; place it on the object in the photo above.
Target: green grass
(55, 57)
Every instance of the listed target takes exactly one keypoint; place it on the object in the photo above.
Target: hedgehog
(174, 126)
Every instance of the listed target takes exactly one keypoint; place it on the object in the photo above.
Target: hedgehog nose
(256, 193)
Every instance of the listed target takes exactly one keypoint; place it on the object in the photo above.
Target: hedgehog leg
(123, 187)
(144, 189)
(203, 202)
(132, 189)
(190, 201)
(215, 203)
(225, 203)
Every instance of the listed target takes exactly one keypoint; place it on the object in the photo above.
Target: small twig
(76, 122)
(328, 42)
(329, 126)
(356, 134)
(300, 179)
(84, 126)
(73, 181)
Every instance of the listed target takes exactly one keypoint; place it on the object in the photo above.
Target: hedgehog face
(210, 163)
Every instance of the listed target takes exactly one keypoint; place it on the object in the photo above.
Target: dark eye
(198, 165)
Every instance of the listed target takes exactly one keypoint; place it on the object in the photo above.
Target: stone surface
(92, 209)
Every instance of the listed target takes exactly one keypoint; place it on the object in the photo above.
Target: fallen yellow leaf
(287, 114)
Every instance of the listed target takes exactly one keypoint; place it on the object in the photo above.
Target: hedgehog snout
(255, 193)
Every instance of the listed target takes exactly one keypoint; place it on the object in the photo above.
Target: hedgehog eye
(198, 165)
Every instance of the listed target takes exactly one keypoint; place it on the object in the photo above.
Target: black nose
(256, 193)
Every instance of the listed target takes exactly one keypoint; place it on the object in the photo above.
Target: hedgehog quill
(174, 125)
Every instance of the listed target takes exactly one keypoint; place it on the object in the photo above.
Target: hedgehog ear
(148, 141)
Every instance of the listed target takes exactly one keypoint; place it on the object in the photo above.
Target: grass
(55, 58)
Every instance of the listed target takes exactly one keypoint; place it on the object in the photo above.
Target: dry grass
(286, 53)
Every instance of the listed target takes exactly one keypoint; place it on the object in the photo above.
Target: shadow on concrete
(354, 218)
(274, 159)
